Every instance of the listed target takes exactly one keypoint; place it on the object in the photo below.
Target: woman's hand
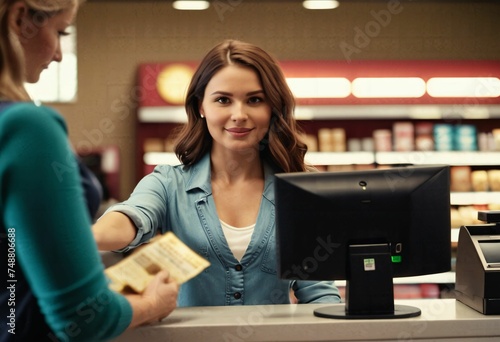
(157, 301)
(162, 293)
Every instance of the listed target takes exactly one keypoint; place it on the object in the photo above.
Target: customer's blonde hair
(12, 69)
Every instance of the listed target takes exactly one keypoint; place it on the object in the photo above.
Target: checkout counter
(474, 316)
(443, 320)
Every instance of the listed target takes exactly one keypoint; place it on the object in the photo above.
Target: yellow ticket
(165, 252)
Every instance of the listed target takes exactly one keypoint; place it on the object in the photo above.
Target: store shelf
(454, 158)
(340, 158)
(471, 198)
(170, 114)
(352, 158)
(314, 158)
(454, 235)
(177, 114)
(418, 112)
(160, 158)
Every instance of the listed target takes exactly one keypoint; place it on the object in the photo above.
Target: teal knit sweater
(43, 217)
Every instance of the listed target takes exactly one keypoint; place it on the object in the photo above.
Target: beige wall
(113, 37)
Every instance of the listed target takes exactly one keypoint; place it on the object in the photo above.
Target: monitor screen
(365, 227)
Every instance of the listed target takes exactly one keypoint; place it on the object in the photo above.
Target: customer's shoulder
(30, 116)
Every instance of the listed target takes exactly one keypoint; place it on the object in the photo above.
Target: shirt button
(237, 295)
(238, 267)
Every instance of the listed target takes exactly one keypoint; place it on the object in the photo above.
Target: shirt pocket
(203, 252)
(269, 262)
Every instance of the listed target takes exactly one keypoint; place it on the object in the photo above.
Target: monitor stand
(369, 287)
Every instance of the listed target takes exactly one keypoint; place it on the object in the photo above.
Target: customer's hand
(162, 294)
(157, 301)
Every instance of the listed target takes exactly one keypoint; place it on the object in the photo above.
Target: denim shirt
(180, 199)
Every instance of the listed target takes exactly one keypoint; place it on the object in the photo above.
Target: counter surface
(445, 320)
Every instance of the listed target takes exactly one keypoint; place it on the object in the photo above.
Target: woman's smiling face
(236, 109)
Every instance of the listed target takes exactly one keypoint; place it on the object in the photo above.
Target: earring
(202, 116)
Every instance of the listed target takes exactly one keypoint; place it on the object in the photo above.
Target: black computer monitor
(365, 227)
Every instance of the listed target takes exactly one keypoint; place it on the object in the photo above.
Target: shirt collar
(200, 175)
(200, 178)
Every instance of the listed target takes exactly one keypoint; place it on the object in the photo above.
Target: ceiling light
(191, 5)
(319, 87)
(320, 4)
(463, 87)
(385, 87)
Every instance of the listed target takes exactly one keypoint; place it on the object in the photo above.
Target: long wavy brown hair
(282, 146)
(12, 70)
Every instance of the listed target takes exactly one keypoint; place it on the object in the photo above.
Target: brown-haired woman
(220, 200)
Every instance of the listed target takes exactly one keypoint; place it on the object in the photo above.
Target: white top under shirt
(238, 239)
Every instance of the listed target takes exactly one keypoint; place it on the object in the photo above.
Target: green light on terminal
(396, 258)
